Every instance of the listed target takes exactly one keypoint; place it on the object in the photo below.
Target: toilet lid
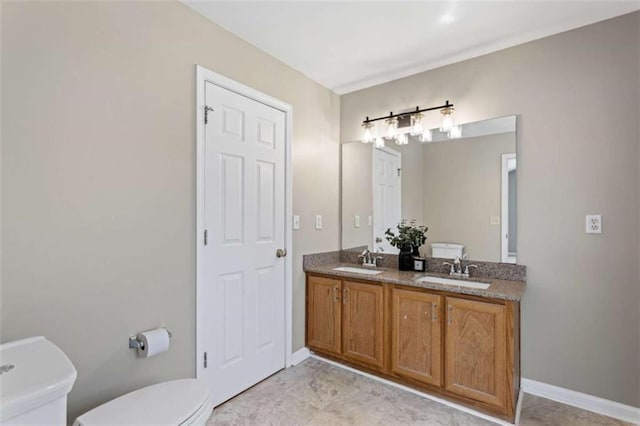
(167, 403)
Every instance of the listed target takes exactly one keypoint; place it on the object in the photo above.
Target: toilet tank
(35, 378)
(447, 250)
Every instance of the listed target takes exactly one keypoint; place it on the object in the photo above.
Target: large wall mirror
(463, 189)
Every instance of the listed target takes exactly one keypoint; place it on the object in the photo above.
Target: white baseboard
(299, 356)
(582, 400)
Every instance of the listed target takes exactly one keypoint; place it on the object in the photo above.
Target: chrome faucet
(458, 268)
(369, 259)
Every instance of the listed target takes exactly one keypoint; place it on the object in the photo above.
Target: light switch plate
(370, 220)
(594, 224)
(356, 221)
(318, 221)
(296, 222)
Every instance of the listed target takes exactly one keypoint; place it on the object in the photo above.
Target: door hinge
(399, 170)
(206, 113)
(206, 237)
(205, 360)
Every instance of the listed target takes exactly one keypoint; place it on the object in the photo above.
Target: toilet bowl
(176, 402)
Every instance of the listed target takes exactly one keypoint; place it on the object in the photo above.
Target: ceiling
(351, 45)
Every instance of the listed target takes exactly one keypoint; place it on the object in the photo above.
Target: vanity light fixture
(379, 143)
(368, 134)
(392, 128)
(414, 118)
(416, 123)
(447, 118)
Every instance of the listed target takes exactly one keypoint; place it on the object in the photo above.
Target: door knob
(281, 252)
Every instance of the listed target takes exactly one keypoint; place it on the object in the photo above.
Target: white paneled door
(242, 325)
(387, 187)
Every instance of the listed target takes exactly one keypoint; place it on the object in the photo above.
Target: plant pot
(405, 260)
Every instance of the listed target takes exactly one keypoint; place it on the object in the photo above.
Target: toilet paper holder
(134, 343)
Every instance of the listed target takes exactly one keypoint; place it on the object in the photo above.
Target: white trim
(203, 75)
(300, 355)
(582, 400)
(415, 392)
(519, 407)
(504, 201)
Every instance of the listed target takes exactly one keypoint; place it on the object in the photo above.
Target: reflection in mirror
(462, 189)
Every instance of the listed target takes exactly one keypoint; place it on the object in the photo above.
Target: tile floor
(317, 393)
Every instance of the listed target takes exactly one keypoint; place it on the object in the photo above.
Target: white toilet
(447, 250)
(35, 378)
(172, 403)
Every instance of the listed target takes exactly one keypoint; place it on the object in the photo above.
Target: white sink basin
(357, 270)
(457, 283)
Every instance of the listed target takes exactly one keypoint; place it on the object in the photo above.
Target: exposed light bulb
(379, 143)
(447, 119)
(455, 132)
(416, 128)
(401, 139)
(367, 137)
(426, 136)
(392, 127)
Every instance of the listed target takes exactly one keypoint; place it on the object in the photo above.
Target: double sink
(424, 279)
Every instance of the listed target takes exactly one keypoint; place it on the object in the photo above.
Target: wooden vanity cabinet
(416, 335)
(476, 350)
(461, 347)
(363, 323)
(324, 314)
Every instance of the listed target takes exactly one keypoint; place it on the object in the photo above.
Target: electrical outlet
(356, 221)
(296, 222)
(594, 224)
(318, 221)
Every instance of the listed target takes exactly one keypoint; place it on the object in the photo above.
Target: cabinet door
(323, 314)
(363, 327)
(475, 358)
(416, 335)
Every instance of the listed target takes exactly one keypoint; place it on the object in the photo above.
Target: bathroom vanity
(457, 342)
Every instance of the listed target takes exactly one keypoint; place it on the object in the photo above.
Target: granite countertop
(499, 289)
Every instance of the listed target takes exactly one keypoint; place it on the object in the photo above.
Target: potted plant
(408, 240)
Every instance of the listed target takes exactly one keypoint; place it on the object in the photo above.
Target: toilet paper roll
(153, 342)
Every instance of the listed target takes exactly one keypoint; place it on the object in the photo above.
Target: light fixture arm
(402, 114)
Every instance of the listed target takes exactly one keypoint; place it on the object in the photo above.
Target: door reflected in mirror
(462, 189)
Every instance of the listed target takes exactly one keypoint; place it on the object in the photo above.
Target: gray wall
(577, 97)
(98, 179)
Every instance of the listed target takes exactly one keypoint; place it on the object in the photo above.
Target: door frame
(204, 75)
(504, 202)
